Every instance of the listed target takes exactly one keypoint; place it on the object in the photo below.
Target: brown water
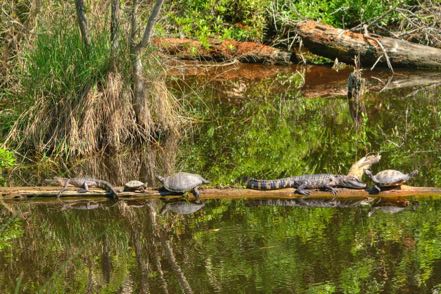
(252, 121)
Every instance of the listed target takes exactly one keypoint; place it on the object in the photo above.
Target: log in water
(405, 192)
(331, 42)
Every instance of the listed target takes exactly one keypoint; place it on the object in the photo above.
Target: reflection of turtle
(183, 182)
(134, 186)
(386, 209)
(389, 178)
(182, 207)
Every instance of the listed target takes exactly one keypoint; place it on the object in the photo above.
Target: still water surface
(248, 121)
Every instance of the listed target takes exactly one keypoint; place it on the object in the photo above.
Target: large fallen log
(325, 40)
(227, 50)
(406, 192)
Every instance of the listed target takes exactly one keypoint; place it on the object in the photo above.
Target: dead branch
(82, 22)
(150, 24)
(114, 28)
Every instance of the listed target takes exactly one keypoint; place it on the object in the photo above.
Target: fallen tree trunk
(227, 50)
(26, 193)
(325, 40)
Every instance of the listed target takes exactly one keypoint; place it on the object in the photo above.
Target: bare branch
(114, 27)
(133, 27)
(82, 22)
(150, 24)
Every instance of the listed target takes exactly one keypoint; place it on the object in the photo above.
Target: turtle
(183, 182)
(389, 178)
(134, 186)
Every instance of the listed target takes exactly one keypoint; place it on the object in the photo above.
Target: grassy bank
(62, 97)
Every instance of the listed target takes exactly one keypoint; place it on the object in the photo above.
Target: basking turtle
(389, 178)
(134, 186)
(183, 182)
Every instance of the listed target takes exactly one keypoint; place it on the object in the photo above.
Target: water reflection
(229, 246)
(182, 207)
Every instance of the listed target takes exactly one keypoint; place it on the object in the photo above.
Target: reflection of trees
(157, 244)
(122, 248)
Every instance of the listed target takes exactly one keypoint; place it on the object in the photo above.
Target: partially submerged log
(325, 40)
(406, 192)
(227, 50)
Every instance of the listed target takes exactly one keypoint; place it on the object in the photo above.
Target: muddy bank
(227, 50)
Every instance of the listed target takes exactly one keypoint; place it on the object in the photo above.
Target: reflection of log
(333, 43)
(248, 52)
(10, 193)
(375, 81)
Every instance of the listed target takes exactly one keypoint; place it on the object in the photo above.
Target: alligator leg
(196, 193)
(377, 189)
(64, 188)
(84, 189)
(301, 190)
(330, 189)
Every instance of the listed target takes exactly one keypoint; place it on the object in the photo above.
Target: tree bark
(148, 31)
(143, 116)
(114, 28)
(334, 43)
(82, 22)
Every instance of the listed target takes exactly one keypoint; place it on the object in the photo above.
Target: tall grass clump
(80, 99)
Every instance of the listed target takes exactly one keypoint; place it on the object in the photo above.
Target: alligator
(84, 184)
(326, 182)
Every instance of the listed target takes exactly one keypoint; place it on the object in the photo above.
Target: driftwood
(228, 50)
(334, 43)
(406, 192)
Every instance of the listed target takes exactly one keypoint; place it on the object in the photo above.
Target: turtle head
(368, 173)
(414, 173)
(161, 179)
(351, 182)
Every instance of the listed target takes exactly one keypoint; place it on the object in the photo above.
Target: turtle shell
(390, 177)
(183, 182)
(133, 185)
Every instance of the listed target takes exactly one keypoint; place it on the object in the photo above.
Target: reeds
(80, 101)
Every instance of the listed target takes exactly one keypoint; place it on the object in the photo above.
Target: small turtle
(389, 178)
(182, 207)
(183, 182)
(134, 186)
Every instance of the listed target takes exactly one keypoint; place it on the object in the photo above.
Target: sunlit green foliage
(7, 160)
(59, 66)
(254, 19)
(343, 13)
(227, 19)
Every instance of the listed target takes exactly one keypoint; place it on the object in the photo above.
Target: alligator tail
(108, 187)
(269, 184)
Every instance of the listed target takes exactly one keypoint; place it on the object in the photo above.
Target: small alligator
(325, 182)
(84, 184)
